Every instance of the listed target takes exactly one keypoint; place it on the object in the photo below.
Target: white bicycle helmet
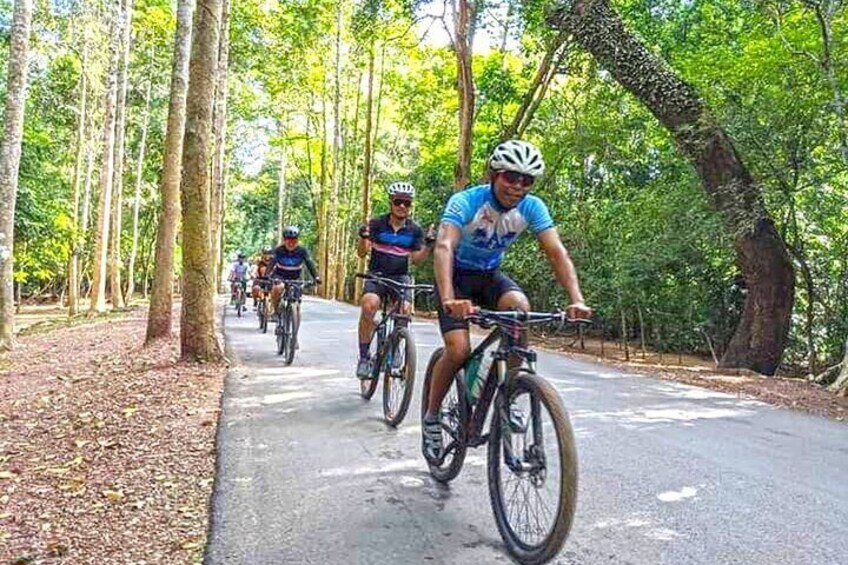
(519, 156)
(401, 189)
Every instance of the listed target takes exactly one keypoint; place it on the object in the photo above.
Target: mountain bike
(286, 327)
(393, 351)
(262, 304)
(238, 297)
(532, 460)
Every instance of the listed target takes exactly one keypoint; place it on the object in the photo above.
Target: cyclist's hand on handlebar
(459, 308)
(364, 232)
(578, 311)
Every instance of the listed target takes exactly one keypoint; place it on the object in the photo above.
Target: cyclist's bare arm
(446, 243)
(563, 268)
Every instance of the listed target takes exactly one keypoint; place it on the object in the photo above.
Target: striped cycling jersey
(390, 249)
(488, 228)
(289, 264)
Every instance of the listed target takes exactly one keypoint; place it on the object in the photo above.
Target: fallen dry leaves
(106, 448)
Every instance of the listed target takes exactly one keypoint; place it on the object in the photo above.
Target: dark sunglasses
(513, 177)
(402, 202)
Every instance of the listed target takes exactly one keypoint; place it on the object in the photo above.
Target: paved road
(672, 474)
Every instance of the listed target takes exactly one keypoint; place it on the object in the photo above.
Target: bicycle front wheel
(399, 376)
(281, 333)
(532, 469)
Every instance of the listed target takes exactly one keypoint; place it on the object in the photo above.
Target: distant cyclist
(289, 258)
(477, 226)
(393, 239)
(262, 270)
(239, 273)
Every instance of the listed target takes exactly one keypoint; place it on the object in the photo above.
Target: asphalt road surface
(669, 473)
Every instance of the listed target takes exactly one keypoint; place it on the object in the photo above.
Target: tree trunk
(118, 181)
(220, 129)
(10, 160)
(824, 14)
(137, 194)
(101, 246)
(161, 296)
(281, 194)
(323, 208)
(840, 385)
(197, 323)
(336, 223)
(74, 263)
(543, 76)
(462, 45)
(761, 254)
(366, 167)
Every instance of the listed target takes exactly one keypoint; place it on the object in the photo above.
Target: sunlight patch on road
(411, 482)
(662, 534)
(389, 467)
(286, 397)
(632, 522)
(295, 372)
(662, 415)
(677, 496)
(604, 374)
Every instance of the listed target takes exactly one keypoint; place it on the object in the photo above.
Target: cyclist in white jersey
(239, 273)
(477, 226)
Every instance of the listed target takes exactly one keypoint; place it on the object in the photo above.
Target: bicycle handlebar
(513, 318)
(296, 282)
(394, 283)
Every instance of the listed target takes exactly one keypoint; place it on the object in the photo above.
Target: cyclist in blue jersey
(392, 239)
(239, 273)
(477, 226)
(287, 263)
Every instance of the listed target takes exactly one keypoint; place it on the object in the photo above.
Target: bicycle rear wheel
(453, 415)
(398, 376)
(263, 315)
(532, 469)
(288, 331)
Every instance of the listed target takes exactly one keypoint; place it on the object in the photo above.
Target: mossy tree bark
(762, 257)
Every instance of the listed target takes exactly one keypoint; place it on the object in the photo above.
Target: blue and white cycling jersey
(488, 228)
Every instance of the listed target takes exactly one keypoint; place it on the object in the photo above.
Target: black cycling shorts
(381, 290)
(483, 288)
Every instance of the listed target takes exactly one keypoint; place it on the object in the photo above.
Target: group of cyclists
(477, 225)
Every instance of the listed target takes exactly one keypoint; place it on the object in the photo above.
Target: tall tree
(118, 172)
(760, 338)
(10, 160)
(197, 321)
(101, 247)
(220, 135)
(161, 296)
(464, 18)
(142, 145)
(366, 166)
(82, 117)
